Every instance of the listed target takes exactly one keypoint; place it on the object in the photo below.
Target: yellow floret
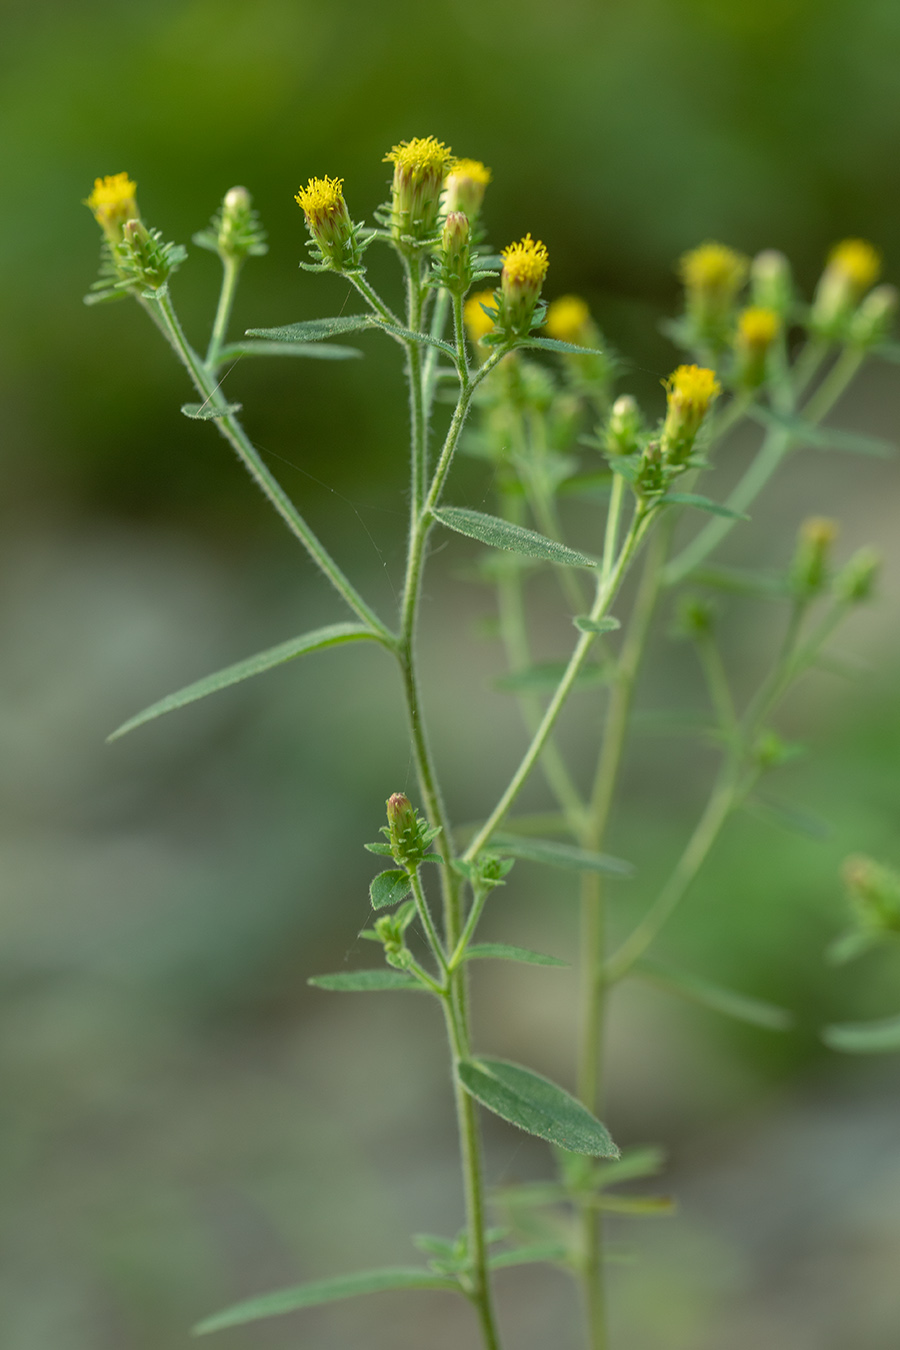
(472, 169)
(858, 260)
(477, 322)
(713, 267)
(692, 387)
(568, 318)
(422, 155)
(110, 193)
(758, 326)
(321, 197)
(525, 263)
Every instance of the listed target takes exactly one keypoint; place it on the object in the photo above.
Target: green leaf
(854, 944)
(790, 818)
(543, 677)
(555, 345)
(333, 635)
(702, 504)
(824, 438)
(743, 581)
(585, 624)
(636, 1205)
(502, 534)
(501, 951)
(727, 1001)
(322, 1291)
(383, 850)
(560, 855)
(316, 350)
(864, 1038)
(366, 981)
(634, 1164)
(408, 335)
(314, 330)
(206, 412)
(533, 1254)
(389, 887)
(536, 1105)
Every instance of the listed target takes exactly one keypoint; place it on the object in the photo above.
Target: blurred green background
(182, 1121)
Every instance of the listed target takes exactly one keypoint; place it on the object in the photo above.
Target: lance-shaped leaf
(534, 1254)
(702, 504)
(207, 412)
(536, 1105)
(502, 534)
(408, 335)
(585, 624)
(332, 636)
(501, 951)
(389, 888)
(560, 855)
(366, 981)
(317, 351)
(555, 345)
(323, 1291)
(743, 581)
(314, 330)
(727, 1001)
(824, 438)
(864, 1038)
(788, 817)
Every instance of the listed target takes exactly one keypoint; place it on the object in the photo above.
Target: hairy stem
(231, 269)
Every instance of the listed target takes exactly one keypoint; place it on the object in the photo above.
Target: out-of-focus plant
(532, 391)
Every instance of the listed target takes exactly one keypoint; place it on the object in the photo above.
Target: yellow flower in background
(713, 269)
(569, 319)
(113, 203)
(465, 187)
(858, 261)
(477, 322)
(853, 266)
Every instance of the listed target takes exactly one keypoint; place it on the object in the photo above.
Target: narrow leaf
(534, 1254)
(365, 981)
(727, 1001)
(314, 330)
(543, 678)
(702, 504)
(791, 818)
(555, 345)
(501, 951)
(502, 534)
(206, 412)
(825, 438)
(322, 1291)
(636, 1163)
(585, 624)
(743, 581)
(318, 351)
(317, 640)
(536, 1105)
(408, 335)
(864, 1038)
(389, 887)
(560, 855)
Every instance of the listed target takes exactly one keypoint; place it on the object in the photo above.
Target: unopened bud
(696, 617)
(239, 229)
(465, 187)
(856, 580)
(454, 267)
(690, 391)
(809, 571)
(852, 268)
(874, 319)
(874, 892)
(652, 474)
(770, 281)
(623, 430)
(141, 255)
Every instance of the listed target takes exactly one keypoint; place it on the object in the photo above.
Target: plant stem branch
(231, 268)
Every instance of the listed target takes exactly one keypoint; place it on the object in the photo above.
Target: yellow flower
(465, 187)
(569, 319)
(420, 167)
(852, 267)
(713, 268)
(524, 268)
(113, 203)
(690, 390)
(757, 326)
(328, 220)
(477, 322)
(857, 260)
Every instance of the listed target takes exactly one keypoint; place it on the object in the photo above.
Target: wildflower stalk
(231, 268)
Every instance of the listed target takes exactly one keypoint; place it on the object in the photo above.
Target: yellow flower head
(857, 260)
(420, 167)
(690, 390)
(569, 319)
(465, 187)
(328, 220)
(809, 571)
(477, 322)
(113, 203)
(525, 263)
(713, 269)
(758, 327)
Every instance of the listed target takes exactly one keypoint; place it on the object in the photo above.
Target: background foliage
(179, 1109)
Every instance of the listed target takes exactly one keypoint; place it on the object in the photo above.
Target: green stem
(424, 914)
(234, 433)
(371, 297)
(231, 268)
(475, 913)
(438, 324)
(419, 467)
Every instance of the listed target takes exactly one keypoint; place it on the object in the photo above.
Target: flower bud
(142, 257)
(696, 617)
(856, 580)
(402, 823)
(756, 331)
(239, 231)
(690, 391)
(465, 188)
(623, 430)
(809, 571)
(770, 281)
(874, 892)
(420, 167)
(478, 323)
(873, 320)
(852, 268)
(113, 204)
(453, 263)
(524, 269)
(712, 275)
(328, 221)
(652, 473)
